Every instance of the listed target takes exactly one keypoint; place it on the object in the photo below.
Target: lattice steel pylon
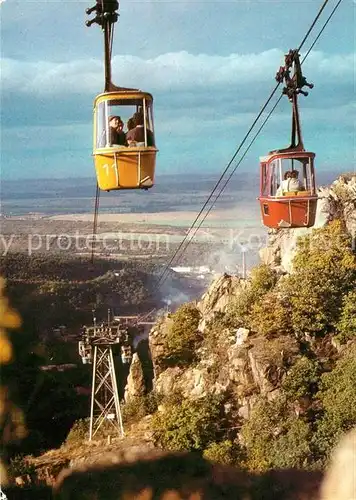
(105, 403)
(96, 347)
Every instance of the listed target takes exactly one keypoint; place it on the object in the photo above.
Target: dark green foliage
(183, 337)
(263, 279)
(338, 398)
(57, 267)
(137, 408)
(325, 272)
(19, 466)
(302, 380)
(346, 326)
(225, 452)
(270, 316)
(60, 290)
(274, 437)
(79, 432)
(188, 425)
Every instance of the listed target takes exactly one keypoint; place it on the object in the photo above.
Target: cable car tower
(96, 347)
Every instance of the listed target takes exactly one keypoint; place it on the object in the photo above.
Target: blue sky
(210, 66)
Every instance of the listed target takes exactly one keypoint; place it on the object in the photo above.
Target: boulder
(135, 386)
(157, 344)
(218, 297)
(167, 381)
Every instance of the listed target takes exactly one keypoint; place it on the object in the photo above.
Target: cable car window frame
(144, 121)
(102, 109)
(278, 166)
(273, 171)
(264, 182)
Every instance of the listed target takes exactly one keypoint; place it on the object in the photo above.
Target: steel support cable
(196, 229)
(220, 180)
(320, 32)
(313, 24)
(95, 222)
(162, 277)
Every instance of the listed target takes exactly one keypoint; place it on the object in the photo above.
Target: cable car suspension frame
(293, 87)
(105, 16)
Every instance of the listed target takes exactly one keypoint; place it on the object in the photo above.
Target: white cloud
(177, 71)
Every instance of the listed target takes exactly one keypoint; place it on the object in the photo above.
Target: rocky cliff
(239, 362)
(268, 346)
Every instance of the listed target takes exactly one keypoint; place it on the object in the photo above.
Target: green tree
(226, 452)
(302, 379)
(183, 336)
(338, 398)
(346, 326)
(188, 425)
(275, 437)
(262, 280)
(270, 316)
(324, 272)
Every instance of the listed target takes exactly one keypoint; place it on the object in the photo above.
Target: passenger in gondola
(136, 136)
(121, 136)
(294, 184)
(130, 124)
(286, 181)
(284, 184)
(117, 137)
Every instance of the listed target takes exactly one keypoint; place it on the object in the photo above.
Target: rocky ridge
(247, 364)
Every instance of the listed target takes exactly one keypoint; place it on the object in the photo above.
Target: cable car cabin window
(264, 180)
(123, 123)
(274, 177)
(295, 176)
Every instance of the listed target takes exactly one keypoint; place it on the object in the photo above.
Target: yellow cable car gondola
(124, 159)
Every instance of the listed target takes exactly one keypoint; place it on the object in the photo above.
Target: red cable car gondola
(288, 196)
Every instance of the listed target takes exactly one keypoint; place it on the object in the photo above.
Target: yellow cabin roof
(129, 94)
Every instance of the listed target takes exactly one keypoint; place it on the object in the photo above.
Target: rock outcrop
(248, 366)
(135, 386)
(157, 343)
(218, 296)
